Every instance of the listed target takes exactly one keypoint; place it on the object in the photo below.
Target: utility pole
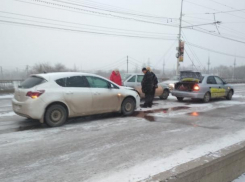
(1, 68)
(163, 68)
(208, 63)
(27, 70)
(234, 67)
(127, 64)
(180, 27)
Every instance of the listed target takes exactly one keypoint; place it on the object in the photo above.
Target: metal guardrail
(8, 86)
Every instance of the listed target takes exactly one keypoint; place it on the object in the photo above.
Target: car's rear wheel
(56, 115)
(128, 106)
(229, 95)
(207, 97)
(180, 98)
(164, 95)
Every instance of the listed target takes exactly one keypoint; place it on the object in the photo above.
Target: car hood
(127, 88)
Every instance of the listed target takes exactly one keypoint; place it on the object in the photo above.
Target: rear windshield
(32, 82)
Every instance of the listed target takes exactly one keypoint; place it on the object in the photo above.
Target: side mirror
(110, 86)
(224, 82)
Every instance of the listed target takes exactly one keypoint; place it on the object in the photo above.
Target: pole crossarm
(216, 22)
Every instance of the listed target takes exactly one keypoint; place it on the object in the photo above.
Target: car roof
(57, 75)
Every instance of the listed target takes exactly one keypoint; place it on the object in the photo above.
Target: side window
(218, 80)
(211, 80)
(140, 78)
(74, 81)
(95, 82)
(132, 79)
(61, 82)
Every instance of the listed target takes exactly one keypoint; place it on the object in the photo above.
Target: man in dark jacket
(155, 84)
(147, 87)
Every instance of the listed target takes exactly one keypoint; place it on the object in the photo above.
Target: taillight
(196, 88)
(35, 94)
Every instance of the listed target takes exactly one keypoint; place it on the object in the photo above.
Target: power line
(112, 11)
(192, 51)
(80, 31)
(220, 36)
(191, 59)
(171, 46)
(79, 23)
(94, 12)
(211, 50)
(120, 8)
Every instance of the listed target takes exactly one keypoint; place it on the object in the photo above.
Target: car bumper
(137, 102)
(31, 108)
(194, 95)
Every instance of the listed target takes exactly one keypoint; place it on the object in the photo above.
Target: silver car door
(139, 79)
(213, 87)
(222, 90)
(78, 95)
(105, 98)
(131, 82)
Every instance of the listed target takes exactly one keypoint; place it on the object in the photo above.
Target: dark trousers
(149, 98)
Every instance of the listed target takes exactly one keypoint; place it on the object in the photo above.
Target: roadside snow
(152, 167)
(10, 96)
(240, 179)
(7, 114)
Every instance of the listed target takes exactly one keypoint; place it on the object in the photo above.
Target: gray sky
(23, 45)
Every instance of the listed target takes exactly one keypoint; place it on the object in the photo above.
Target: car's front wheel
(55, 115)
(229, 95)
(164, 95)
(128, 106)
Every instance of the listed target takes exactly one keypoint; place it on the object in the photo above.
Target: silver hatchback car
(197, 86)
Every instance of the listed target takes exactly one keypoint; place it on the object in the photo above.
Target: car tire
(180, 98)
(128, 106)
(207, 97)
(229, 95)
(55, 115)
(164, 95)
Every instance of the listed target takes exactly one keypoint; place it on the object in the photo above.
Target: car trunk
(26, 86)
(188, 80)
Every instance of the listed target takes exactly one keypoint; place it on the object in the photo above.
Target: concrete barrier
(222, 166)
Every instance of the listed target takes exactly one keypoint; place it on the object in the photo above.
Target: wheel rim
(128, 106)
(207, 97)
(165, 94)
(56, 116)
(230, 94)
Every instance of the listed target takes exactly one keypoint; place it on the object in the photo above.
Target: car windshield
(125, 76)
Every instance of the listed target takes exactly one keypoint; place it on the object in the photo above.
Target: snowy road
(112, 148)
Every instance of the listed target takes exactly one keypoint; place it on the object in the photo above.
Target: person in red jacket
(116, 77)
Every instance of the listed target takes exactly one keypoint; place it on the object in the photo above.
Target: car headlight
(171, 85)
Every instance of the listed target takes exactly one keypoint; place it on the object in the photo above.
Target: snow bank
(158, 165)
(240, 179)
(10, 96)
(7, 114)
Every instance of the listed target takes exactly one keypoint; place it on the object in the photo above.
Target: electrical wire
(110, 28)
(212, 50)
(217, 35)
(94, 12)
(190, 59)
(192, 51)
(81, 31)
(171, 46)
(112, 11)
